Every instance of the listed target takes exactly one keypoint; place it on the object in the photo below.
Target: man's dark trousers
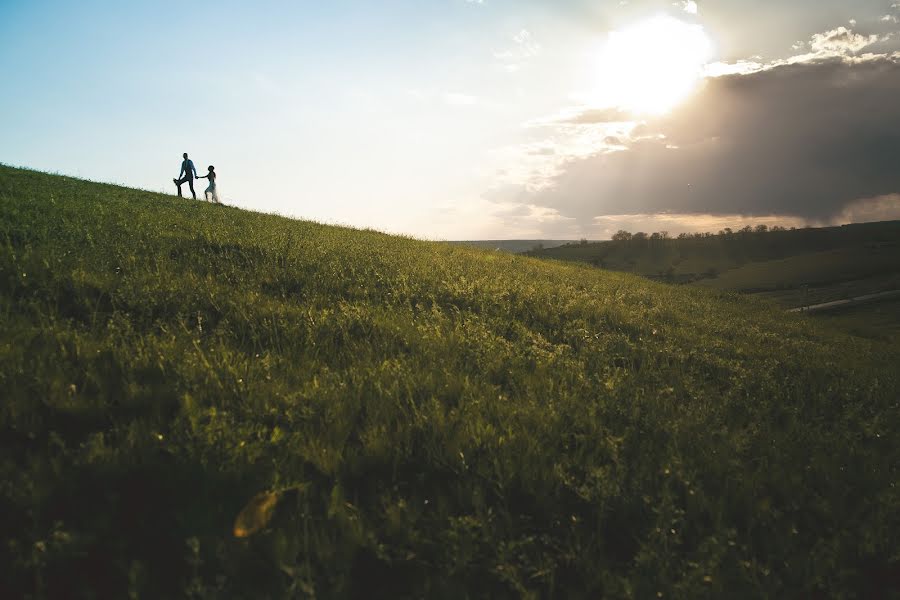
(188, 179)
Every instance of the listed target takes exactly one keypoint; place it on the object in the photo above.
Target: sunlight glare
(652, 66)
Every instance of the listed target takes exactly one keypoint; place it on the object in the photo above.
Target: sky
(471, 119)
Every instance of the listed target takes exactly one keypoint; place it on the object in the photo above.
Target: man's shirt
(187, 167)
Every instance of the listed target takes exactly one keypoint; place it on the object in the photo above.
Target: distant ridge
(514, 246)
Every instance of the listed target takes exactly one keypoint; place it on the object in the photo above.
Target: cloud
(866, 210)
(841, 41)
(802, 139)
(524, 48)
(600, 115)
(690, 7)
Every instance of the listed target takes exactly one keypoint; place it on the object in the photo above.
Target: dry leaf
(256, 515)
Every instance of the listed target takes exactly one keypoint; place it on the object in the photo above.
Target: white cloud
(841, 41)
(525, 48)
(690, 7)
(741, 67)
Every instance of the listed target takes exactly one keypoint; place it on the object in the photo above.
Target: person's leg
(182, 181)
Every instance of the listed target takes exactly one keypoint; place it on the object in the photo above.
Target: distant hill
(795, 268)
(683, 260)
(514, 246)
(204, 402)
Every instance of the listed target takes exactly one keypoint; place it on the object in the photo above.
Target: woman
(211, 190)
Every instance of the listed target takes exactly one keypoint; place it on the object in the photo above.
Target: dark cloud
(801, 139)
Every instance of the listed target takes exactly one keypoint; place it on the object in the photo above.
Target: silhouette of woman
(211, 190)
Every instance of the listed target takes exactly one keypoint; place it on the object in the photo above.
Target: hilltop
(397, 418)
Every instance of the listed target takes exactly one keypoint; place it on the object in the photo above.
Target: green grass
(436, 421)
(815, 269)
(879, 321)
(854, 288)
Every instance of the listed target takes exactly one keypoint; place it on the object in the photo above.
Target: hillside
(413, 419)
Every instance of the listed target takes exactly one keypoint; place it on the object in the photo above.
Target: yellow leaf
(256, 515)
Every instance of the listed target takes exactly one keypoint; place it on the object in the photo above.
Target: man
(188, 172)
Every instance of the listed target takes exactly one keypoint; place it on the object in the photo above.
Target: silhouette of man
(188, 172)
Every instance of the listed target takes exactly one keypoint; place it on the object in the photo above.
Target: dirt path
(848, 302)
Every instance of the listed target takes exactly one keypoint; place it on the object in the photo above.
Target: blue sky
(408, 116)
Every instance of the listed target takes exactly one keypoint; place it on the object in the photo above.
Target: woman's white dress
(212, 189)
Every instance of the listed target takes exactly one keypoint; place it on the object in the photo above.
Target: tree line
(627, 236)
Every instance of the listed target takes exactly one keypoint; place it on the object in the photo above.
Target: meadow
(748, 259)
(791, 268)
(394, 418)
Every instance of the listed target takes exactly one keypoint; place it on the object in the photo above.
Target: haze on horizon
(472, 119)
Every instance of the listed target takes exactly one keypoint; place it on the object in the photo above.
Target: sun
(650, 67)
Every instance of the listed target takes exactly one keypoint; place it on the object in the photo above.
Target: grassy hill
(394, 418)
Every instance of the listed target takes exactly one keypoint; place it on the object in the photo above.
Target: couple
(188, 172)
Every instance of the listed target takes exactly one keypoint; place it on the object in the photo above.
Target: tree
(640, 236)
(621, 236)
(761, 229)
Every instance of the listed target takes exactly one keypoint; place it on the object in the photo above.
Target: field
(793, 268)
(879, 321)
(818, 272)
(393, 418)
(747, 260)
